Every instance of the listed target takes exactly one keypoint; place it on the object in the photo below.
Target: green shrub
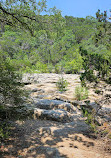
(73, 66)
(4, 130)
(97, 91)
(88, 75)
(90, 118)
(81, 93)
(58, 68)
(62, 84)
(10, 92)
(41, 67)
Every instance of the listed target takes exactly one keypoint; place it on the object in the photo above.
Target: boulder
(79, 103)
(54, 115)
(54, 104)
(47, 152)
(35, 90)
(77, 125)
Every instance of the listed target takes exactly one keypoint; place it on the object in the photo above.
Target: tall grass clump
(62, 84)
(81, 93)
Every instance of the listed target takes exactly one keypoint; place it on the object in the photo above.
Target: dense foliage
(10, 93)
(60, 44)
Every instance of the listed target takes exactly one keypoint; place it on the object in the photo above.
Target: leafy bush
(4, 130)
(90, 118)
(62, 84)
(96, 58)
(57, 69)
(10, 92)
(41, 67)
(81, 93)
(88, 75)
(73, 66)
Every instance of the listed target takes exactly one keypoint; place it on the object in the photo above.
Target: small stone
(34, 90)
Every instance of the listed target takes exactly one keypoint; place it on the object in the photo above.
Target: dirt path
(49, 139)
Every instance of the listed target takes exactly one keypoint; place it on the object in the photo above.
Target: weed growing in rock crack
(62, 84)
(90, 118)
(97, 91)
(81, 93)
(109, 136)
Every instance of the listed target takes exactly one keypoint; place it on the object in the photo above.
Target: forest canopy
(35, 42)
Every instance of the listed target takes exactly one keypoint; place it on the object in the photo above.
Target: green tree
(10, 92)
(18, 14)
(21, 13)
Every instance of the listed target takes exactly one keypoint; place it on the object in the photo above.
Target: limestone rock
(54, 115)
(34, 90)
(48, 152)
(54, 104)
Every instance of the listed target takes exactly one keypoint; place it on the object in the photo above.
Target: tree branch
(15, 17)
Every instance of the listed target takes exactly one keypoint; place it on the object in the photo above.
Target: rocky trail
(58, 128)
